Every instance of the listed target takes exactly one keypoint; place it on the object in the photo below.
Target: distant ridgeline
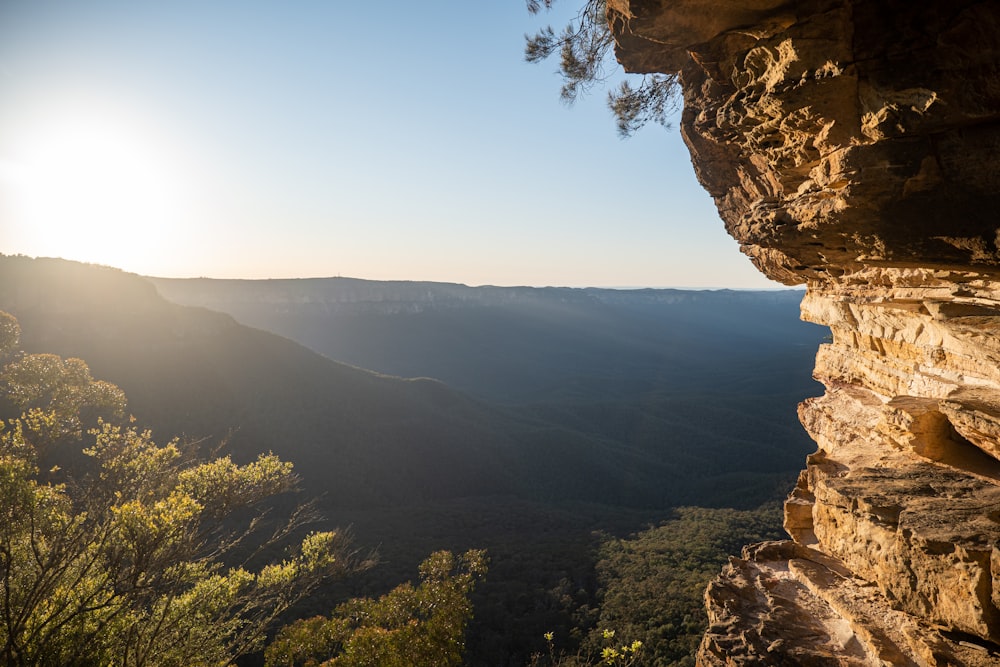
(519, 344)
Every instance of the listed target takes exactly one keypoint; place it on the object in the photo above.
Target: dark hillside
(360, 437)
(685, 396)
(519, 344)
(367, 439)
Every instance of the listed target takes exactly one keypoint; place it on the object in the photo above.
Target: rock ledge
(854, 146)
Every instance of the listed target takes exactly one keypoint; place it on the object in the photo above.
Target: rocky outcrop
(855, 146)
(836, 135)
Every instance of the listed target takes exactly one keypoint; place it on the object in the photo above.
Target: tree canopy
(585, 48)
(117, 550)
(411, 626)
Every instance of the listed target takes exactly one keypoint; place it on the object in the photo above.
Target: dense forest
(607, 450)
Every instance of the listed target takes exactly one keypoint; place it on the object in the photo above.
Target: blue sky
(392, 140)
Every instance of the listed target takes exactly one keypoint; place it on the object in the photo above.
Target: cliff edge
(854, 146)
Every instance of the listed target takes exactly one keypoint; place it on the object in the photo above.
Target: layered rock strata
(854, 146)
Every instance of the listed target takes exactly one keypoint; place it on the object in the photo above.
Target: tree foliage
(59, 395)
(653, 583)
(10, 334)
(585, 54)
(411, 626)
(614, 653)
(650, 603)
(127, 554)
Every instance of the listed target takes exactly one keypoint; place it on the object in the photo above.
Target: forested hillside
(522, 344)
(677, 387)
(365, 438)
(628, 410)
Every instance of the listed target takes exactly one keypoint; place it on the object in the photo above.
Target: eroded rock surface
(855, 146)
(836, 135)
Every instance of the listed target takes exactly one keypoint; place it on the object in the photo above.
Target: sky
(396, 140)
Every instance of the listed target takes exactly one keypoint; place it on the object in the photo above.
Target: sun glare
(94, 190)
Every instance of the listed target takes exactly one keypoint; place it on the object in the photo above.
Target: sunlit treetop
(116, 550)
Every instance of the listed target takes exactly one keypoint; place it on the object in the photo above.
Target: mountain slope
(367, 439)
(519, 344)
(361, 437)
(683, 396)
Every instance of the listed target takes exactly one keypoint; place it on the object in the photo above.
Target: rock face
(855, 146)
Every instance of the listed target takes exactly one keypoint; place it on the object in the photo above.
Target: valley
(538, 424)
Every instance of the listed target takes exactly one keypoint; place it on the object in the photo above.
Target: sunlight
(93, 189)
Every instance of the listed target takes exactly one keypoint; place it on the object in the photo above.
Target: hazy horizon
(693, 288)
(770, 286)
(249, 140)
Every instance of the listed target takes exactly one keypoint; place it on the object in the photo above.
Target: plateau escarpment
(853, 146)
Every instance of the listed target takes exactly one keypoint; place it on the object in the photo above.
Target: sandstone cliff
(855, 146)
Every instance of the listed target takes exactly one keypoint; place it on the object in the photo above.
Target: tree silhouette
(585, 59)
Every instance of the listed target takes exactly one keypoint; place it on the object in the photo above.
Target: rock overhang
(854, 146)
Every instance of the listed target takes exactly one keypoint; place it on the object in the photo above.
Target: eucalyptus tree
(117, 550)
(585, 47)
